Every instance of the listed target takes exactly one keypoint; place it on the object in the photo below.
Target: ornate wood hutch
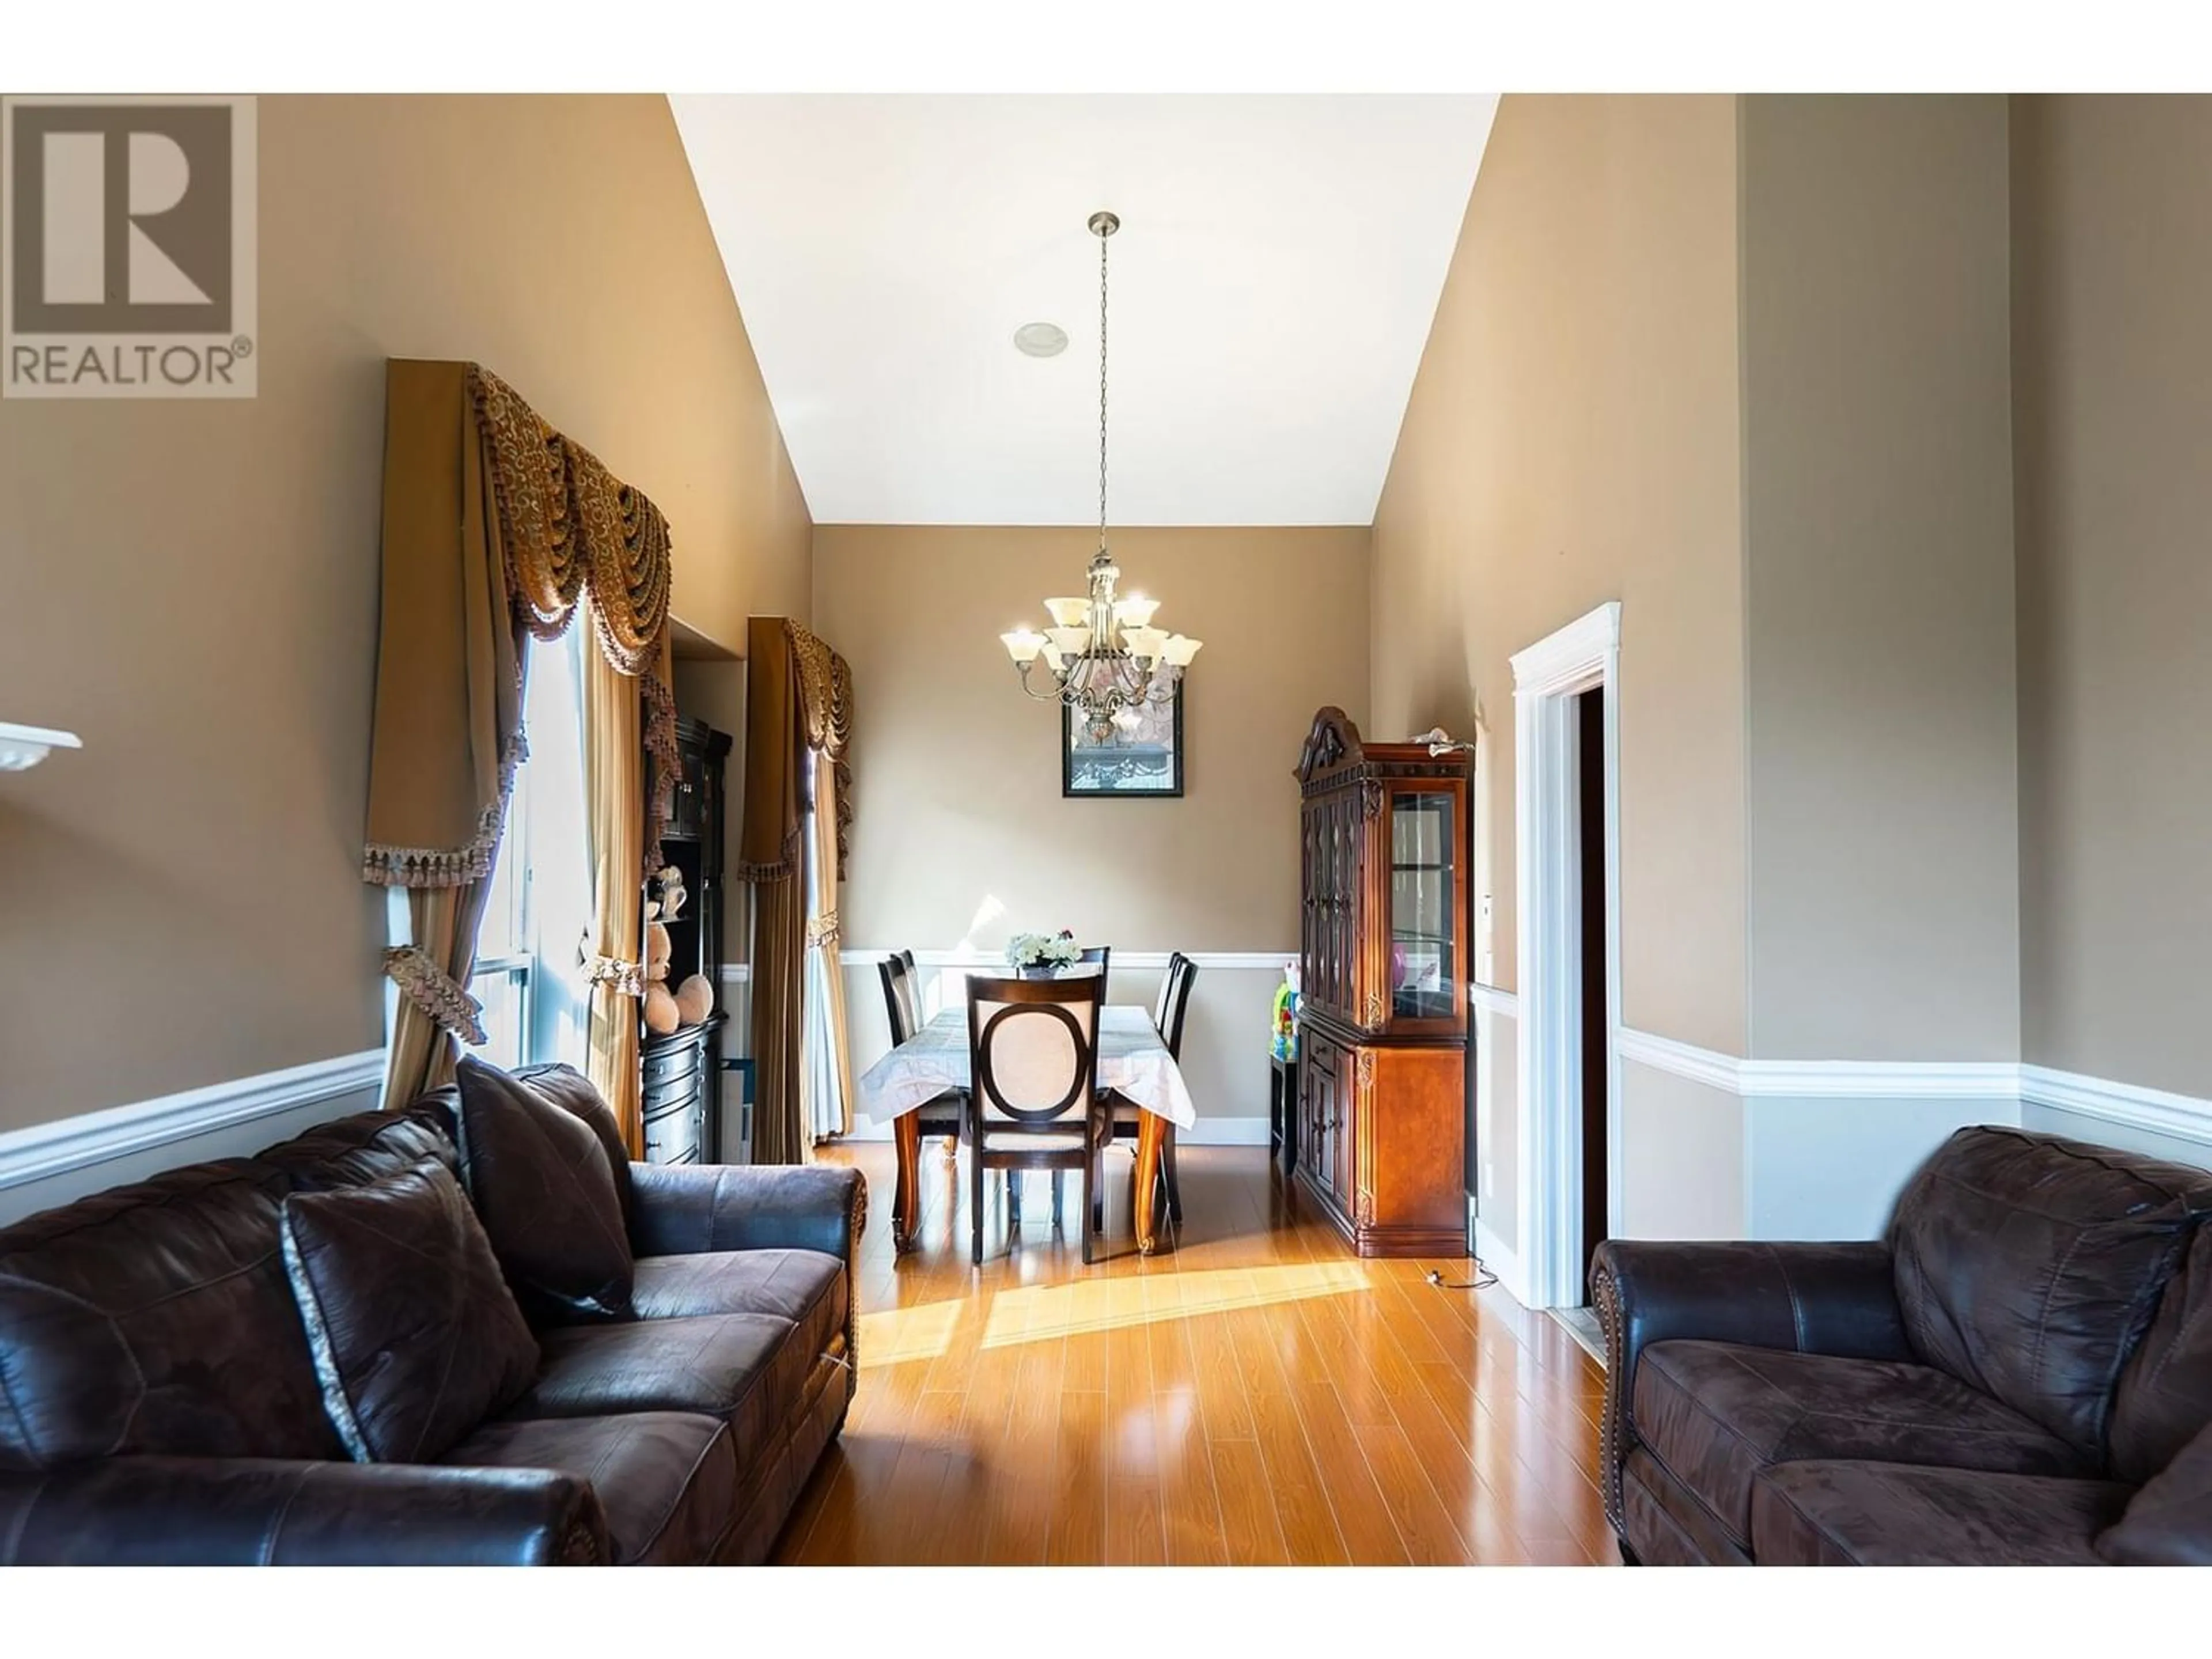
(681, 1099)
(1383, 1035)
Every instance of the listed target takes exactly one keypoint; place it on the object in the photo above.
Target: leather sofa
(2019, 1372)
(159, 1403)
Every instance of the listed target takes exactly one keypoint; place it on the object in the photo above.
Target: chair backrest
(1175, 1000)
(1033, 1046)
(901, 999)
(1098, 957)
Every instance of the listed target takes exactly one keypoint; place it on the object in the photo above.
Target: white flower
(1041, 950)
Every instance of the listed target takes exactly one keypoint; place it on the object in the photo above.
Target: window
(505, 956)
(528, 977)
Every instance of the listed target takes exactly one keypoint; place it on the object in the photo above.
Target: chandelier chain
(1102, 394)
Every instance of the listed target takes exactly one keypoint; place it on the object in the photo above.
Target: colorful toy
(1286, 1014)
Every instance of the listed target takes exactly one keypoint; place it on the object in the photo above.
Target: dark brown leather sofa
(2020, 1373)
(159, 1402)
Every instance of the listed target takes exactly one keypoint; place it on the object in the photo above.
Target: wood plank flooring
(1256, 1395)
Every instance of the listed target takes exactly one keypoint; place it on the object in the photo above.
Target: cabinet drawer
(673, 1137)
(665, 1068)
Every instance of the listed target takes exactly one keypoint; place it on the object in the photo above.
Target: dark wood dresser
(1383, 1031)
(682, 1081)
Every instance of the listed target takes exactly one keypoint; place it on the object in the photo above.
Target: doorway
(1567, 884)
(1590, 1006)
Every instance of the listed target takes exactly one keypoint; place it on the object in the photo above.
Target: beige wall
(193, 586)
(1877, 477)
(1573, 437)
(2112, 355)
(961, 835)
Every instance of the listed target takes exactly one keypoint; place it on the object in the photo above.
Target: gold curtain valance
(496, 529)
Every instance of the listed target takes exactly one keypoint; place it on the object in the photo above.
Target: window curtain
(826, 1075)
(799, 706)
(496, 531)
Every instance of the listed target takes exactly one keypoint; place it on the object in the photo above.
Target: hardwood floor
(1257, 1395)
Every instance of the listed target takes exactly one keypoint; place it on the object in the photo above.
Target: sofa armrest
(219, 1511)
(688, 1209)
(1838, 1299)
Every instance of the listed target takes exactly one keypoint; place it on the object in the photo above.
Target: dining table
(1133, 1062)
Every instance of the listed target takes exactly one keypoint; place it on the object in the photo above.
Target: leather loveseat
(2021, 1372)
(159, 1402)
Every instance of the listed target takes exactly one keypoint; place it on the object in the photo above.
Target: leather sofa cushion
(539, 1177)
(1823, 1514)
(667, 1481)
(749, 1370)
(350, 1152)
(805, 1286)
(577, 1095)
(2169, 1521)
(2165, 1396)
(2028, 1266)
(414, 1333)
(1714, 1413)
(156, 1318)
(1666, 1525)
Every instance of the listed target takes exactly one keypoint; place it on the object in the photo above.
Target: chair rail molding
(1583, 656)
(45, 1149)
(2000, 1082)
(1152, 960)
(2157, 1111)
(1489, 1000)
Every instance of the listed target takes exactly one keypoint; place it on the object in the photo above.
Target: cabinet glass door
(1424, 905)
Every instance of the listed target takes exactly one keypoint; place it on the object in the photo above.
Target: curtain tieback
(627, 979)
(822, 932)
(436, 992)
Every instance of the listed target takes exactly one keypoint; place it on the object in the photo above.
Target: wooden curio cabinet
(1382, 1098)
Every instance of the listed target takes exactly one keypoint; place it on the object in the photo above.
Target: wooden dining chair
(1033, 1049)
(902, 1008)
(1099, 955)
(1169, 1009)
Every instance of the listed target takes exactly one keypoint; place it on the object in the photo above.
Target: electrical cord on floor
(1483, 1280)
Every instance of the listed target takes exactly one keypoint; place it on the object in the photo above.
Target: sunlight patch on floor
(899, 1335)
(1054, 1310)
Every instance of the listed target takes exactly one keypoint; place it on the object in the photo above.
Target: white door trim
(1546, 677)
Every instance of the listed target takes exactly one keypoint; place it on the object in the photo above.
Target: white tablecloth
(1132, 1058)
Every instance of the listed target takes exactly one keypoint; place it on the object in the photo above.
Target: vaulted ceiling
(1278, 263)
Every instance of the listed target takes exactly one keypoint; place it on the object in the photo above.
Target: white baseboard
(1493, 1253)
(45, 1151)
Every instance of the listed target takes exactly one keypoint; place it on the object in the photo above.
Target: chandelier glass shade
(1101, 657)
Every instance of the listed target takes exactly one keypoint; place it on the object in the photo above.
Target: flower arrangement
(1043, 950)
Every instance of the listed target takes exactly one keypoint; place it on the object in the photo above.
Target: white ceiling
(1278, 262)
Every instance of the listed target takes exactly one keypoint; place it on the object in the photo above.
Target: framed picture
(1132, 761)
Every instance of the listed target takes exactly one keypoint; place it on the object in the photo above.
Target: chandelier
(1103, 658)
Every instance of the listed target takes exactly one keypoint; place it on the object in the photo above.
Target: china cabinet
(1383, 1031)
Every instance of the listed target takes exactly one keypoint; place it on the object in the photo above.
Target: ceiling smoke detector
(1040, 339)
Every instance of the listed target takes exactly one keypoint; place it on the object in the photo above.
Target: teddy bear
(692, 1000)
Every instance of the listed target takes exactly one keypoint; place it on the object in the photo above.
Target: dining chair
(1169, 1009)
(903, 1007)
(1033, 1051)
(1098, 956)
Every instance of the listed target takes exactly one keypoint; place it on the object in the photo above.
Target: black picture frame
(1079, 781)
